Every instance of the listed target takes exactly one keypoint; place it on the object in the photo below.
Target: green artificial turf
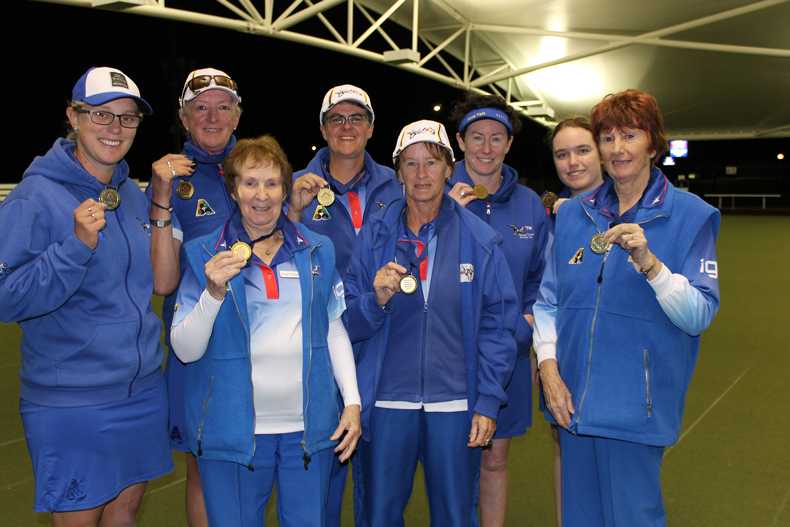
(731, 466)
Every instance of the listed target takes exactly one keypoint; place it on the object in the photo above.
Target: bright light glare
(313, 148)
(437, 107)
(780, 156)
(669, 162)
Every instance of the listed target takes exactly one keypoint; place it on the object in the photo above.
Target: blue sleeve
(496, 343)
(545, 308)
(36, 276)
(363, 316)
(188, 295)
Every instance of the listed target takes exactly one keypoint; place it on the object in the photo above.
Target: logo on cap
(118, 79)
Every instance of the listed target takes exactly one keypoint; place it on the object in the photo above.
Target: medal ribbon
(270, 281)
(421, 257)
(356, 209)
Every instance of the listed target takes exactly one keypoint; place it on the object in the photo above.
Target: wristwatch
(160, 224)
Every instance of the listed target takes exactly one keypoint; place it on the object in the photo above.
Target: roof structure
(719, 68)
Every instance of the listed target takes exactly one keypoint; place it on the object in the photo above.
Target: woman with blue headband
(489, 188)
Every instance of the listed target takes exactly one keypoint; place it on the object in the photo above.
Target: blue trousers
(401, 438)
(337, 487)
(610, 483)
(237, 495)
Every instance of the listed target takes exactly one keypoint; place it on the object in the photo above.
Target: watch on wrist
(160, 224)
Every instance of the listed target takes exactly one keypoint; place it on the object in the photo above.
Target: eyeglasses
(200, 82)
(338, 120)
(105, 118)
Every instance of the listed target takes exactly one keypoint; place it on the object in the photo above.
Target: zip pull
(200, 448)
(488, 208)
(306, 460)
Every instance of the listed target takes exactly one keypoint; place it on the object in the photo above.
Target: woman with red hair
(630, 283)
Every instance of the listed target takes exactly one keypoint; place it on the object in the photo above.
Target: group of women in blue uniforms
(351, 307)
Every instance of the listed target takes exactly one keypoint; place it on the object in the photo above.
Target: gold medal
(549, 198)
(408, 284)
(598, 245)
(242, 250)
(326, 197)
(480, 191)
(110, 198)
(185, 189)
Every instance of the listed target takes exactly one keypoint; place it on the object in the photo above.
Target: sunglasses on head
(200, 82)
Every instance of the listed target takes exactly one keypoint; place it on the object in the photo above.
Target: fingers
(88, 221)
(481, 433)
(462, 193)
(387, 281)
(559, 399)
(172, 166)
(350, 430)
(305, 190)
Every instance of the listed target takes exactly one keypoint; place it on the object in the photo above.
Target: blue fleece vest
(220, 412)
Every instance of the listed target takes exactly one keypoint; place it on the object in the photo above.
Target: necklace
(276, 233)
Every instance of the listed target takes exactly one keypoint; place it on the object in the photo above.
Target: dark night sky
(282, 85)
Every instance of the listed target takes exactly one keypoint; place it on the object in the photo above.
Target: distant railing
(733, 196)
(6, 188)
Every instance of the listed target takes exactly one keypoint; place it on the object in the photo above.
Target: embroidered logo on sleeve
(338, 290)
(577, 258)
(467, 272)
(4, 269)
(709, 267)
(203, 209)
(525, 232)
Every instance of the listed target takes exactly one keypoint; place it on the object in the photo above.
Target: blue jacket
(488, 303)
(89, 334)
(626, 364)
(381, 187)
(220, 414)
(518, 215)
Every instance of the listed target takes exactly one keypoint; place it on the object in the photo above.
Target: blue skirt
(84, 456)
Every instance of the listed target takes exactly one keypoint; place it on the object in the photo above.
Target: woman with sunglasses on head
(259, 322)
(489, 188)
(432, 311)
(631, 282)
(578, 166)
(75, 262)
(189, 199)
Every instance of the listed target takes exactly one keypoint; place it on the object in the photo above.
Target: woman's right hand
(222, 267)
(304, 190)
(558, 398)
(88, 221)
(387, 282)
(165, 170)
(462, 193)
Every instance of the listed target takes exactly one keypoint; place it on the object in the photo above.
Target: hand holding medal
(88, 221)
(388, 282)
(307, 187)
(631, 237)
(462, 193)
(222, 267)
(167, 169)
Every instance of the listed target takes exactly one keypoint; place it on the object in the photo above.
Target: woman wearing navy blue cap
(77, 278)
(489, 188)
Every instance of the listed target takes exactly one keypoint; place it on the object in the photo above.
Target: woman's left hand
(350, 423)
(631, 237)
(482, 431)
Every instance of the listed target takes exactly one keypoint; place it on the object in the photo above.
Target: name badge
(289, 273)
